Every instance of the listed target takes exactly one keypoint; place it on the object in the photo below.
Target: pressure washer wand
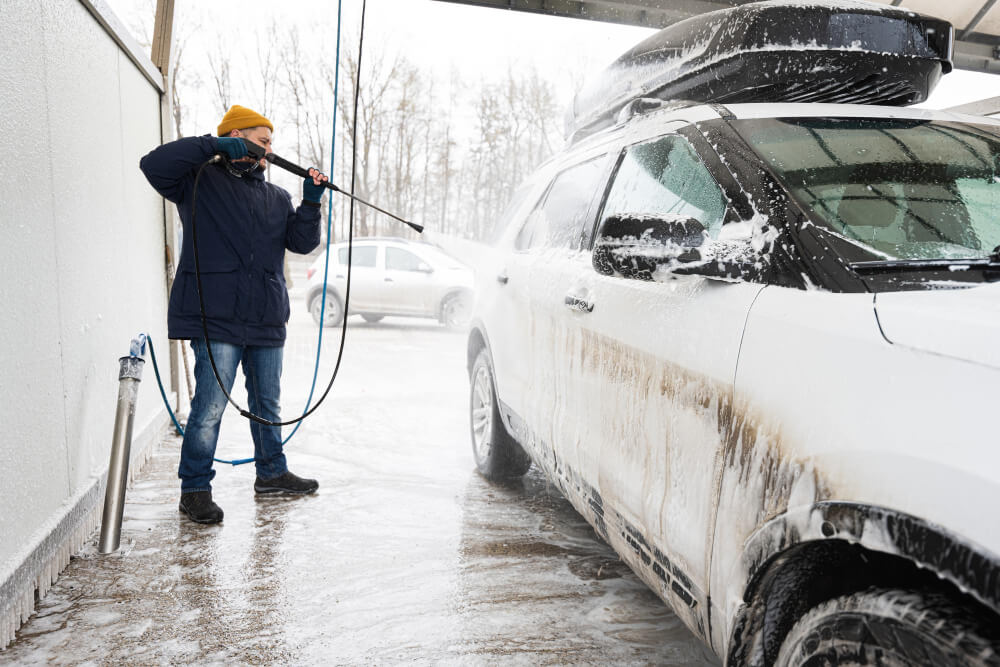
(279, 161)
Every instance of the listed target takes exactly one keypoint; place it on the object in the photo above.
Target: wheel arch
(478, 340)
(450, 294)
(314, 293)
(810, 555)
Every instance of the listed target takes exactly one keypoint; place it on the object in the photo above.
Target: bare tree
(218, 63)
(263, 71)
(377, 80)
(516, 125)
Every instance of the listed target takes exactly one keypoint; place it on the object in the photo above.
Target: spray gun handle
(253, 150)
(279, 161)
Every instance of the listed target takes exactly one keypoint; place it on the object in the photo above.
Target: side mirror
(636, 246)
(424, 267)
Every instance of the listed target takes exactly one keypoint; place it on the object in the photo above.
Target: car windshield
(904, 189)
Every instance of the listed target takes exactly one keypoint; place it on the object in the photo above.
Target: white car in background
(757, 345)
(391, 276)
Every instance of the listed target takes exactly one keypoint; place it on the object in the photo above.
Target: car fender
(479, 340)
(925, 545)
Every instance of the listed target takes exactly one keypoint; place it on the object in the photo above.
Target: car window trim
(625, 148)
(739, 208)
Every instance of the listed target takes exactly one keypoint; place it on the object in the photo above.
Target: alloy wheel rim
(332, 311)
(482, 414)
(454, 312)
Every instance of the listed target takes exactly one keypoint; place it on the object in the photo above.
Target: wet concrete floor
(404, 555)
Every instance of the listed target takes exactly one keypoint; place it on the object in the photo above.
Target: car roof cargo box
(839, 52)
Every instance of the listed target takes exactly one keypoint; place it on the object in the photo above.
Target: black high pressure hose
(295, 169)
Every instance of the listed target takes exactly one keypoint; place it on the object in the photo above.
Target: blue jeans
(262, 368)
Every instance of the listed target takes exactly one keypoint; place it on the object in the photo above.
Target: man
(244, 225)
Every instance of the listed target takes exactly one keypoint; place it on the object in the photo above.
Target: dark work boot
(199, 507)
(286, 483)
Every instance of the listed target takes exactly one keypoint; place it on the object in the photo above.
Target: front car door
(408, 284)
(648, 387)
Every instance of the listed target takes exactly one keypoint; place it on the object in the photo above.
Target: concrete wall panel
(83, 271)
(33, 452)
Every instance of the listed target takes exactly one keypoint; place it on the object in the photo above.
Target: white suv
(391, 276)
(757, 346)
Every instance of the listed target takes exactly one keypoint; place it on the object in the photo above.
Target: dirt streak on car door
(658, 359)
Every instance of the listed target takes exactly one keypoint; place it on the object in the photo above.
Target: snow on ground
(404, 555)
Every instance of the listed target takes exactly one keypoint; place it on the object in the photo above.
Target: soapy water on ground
(405, 554)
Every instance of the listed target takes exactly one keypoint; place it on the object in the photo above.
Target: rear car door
(502, 287)
(650, 378)
(366, 276)
(546, 260)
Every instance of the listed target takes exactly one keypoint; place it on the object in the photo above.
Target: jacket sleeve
(302, 234)
(167, 167)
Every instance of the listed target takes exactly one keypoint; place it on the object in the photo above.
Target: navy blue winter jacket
(244, 226)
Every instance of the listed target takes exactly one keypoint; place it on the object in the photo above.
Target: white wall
(81, 270)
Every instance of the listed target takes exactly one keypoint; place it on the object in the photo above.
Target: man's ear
(235, 133)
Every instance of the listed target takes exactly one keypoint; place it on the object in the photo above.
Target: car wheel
(371, 318)
(890, 627)
(456, 310)
(334, 312)
(498, 456)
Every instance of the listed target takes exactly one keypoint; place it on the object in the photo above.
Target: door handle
(578, 304)
(388, 280)
(502, 278)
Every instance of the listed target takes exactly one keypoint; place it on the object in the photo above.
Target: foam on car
(839, 52)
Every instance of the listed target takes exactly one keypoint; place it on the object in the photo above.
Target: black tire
(498, 456)
(368, 317)
(334, 309)
(891, 628)
(456, 310)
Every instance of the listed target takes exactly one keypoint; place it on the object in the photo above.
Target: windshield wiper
(895, 265)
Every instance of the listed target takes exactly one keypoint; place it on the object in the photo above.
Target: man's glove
(232, 146)
(312, 192)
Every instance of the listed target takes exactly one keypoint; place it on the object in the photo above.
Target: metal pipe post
(129, 377)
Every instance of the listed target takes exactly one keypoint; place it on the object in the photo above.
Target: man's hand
(312, 188)
(232, 146)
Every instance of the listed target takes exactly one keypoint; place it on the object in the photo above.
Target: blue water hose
(329, 226)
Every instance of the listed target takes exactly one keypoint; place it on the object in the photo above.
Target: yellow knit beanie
(239, 118)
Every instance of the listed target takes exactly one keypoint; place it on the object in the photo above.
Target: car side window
(362, 256)
(666, 178)
(559, 220)
(397, 259)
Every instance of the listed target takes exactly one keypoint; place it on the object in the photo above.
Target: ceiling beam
(643, 13)
(977, 57)
(973, 51)
(977, 19)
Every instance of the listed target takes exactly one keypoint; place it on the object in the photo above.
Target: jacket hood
(959, 323)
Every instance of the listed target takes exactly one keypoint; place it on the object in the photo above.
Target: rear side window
(663, 179)
(559, 221)
(362, 256)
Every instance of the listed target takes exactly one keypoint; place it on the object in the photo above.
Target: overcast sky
(442, 36)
